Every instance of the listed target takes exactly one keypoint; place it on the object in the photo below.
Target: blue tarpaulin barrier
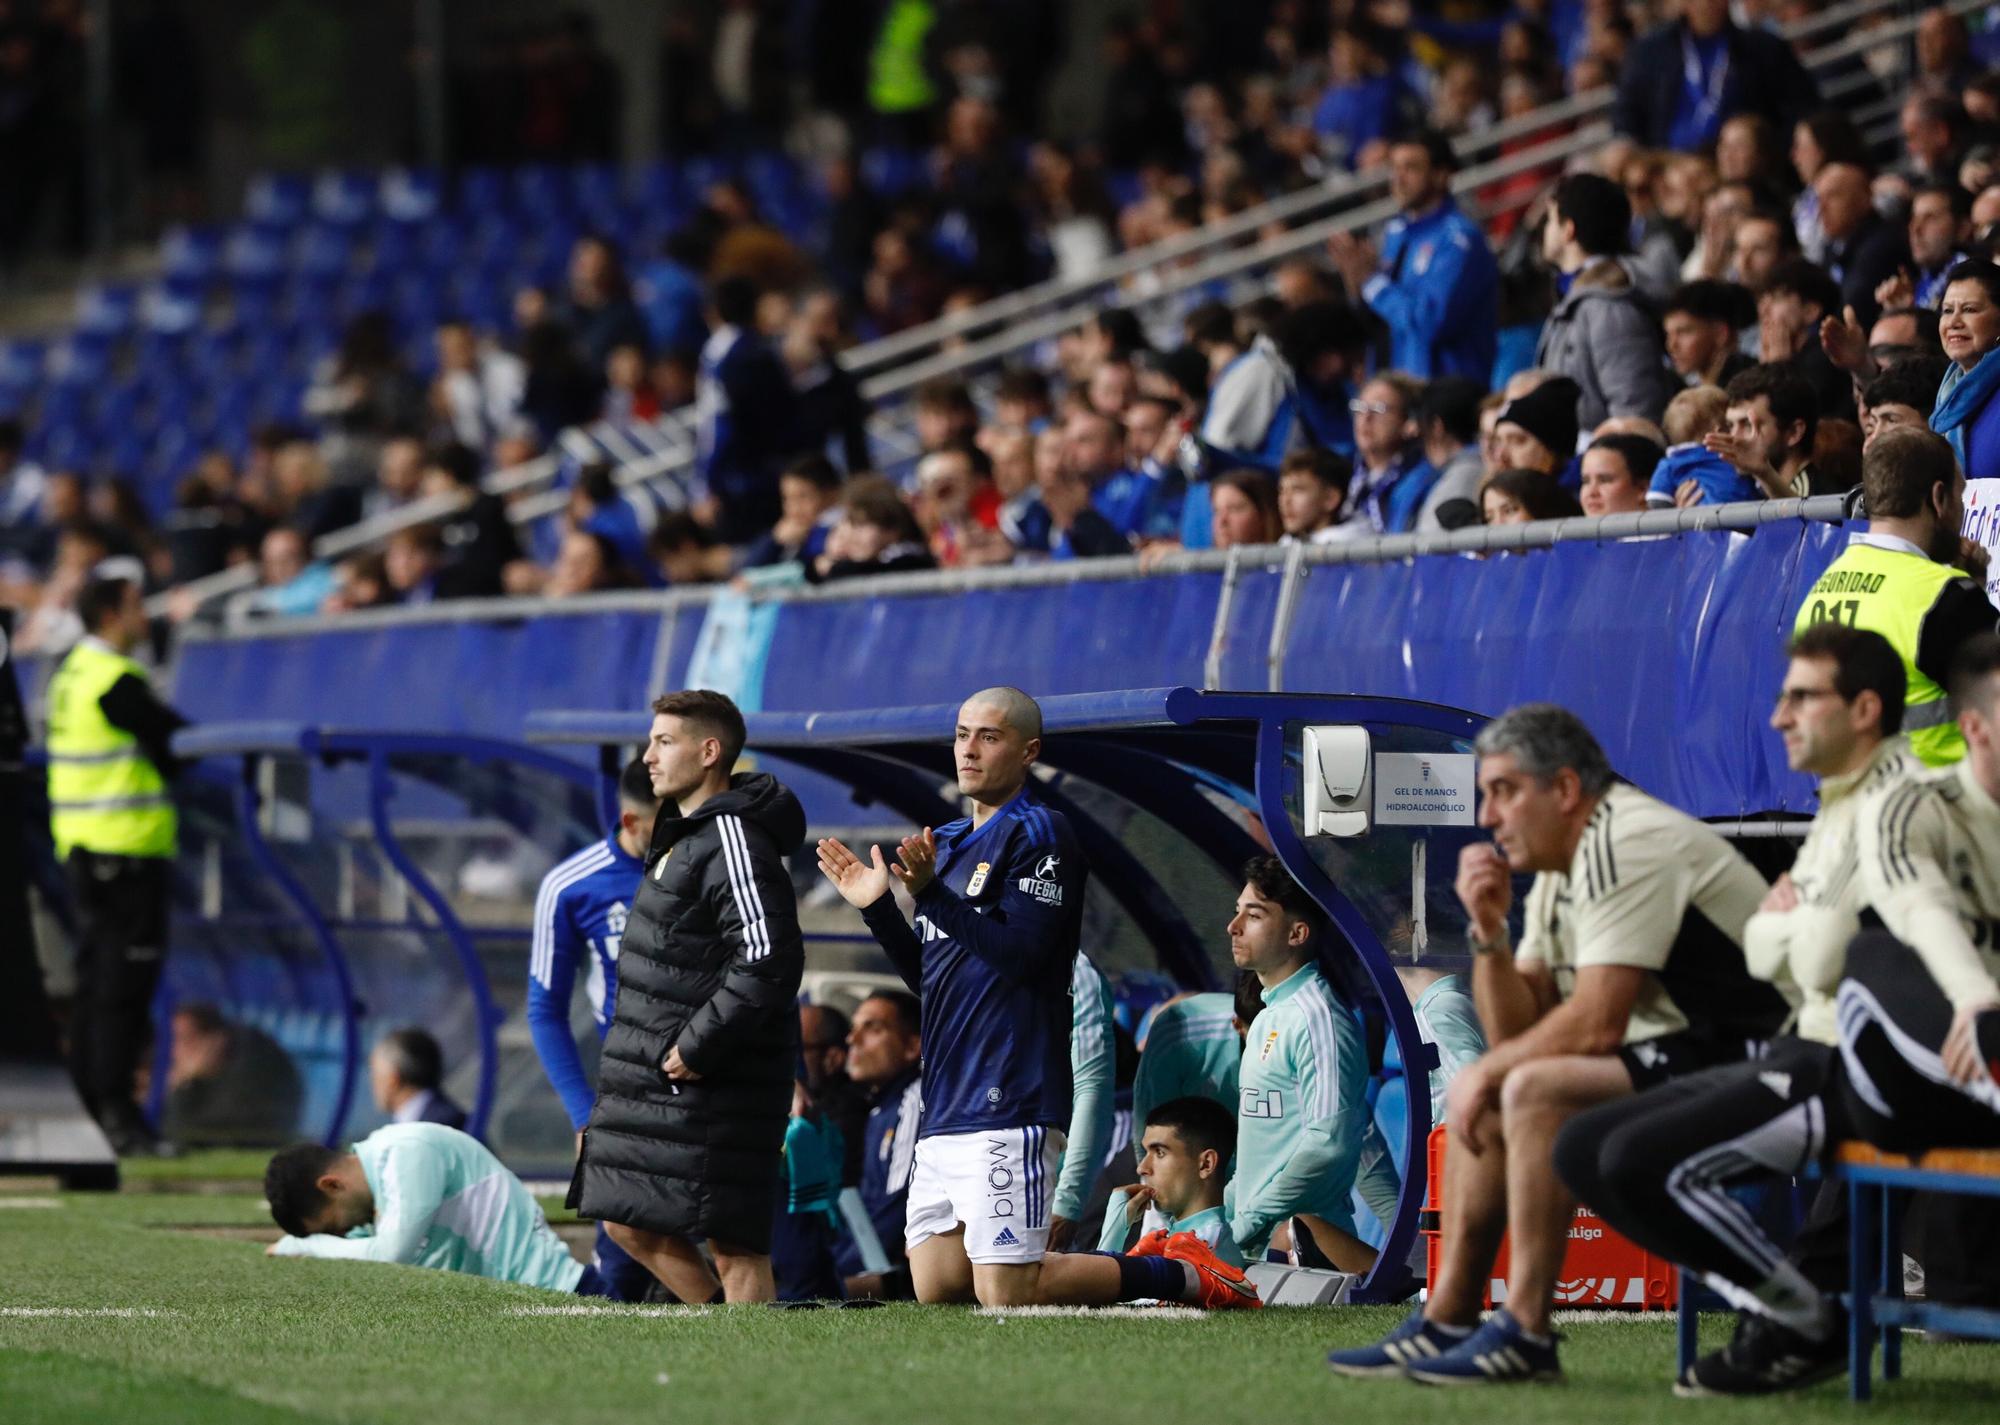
(1669, 648)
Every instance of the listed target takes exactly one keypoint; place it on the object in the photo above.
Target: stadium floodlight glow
(1338, 765)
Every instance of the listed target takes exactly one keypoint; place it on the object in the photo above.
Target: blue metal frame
(381, 787)
(251, 740)
(274, 866)
(1875, 1268)
(1156, 719)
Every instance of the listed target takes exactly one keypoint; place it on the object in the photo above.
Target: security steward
(1900, 578)
(113, 821)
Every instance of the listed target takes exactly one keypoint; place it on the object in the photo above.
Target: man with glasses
(1391, 476)
(1659, 1167)
(1900, 578)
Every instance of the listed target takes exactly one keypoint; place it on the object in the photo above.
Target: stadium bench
(1875, 1250)
(1875, 1256)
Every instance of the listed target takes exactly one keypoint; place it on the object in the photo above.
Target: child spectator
(1689, 473)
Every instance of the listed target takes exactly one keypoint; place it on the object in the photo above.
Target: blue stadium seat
(125, 454)
(596, 186)
(892, 172)
(481, 192)
(494, 242)
(21, 363)
(321, 250)
(345, 199)
(442, 243)
(661, 196)
(109, 310)
(80, 359)
(541, 192)
(253, 256)
(255, 308)
(394, 247)
(176, 448)
(416, 303)
(214, 351)
(62, 445)
(485, 299)
(277, 200)
(162, 309)
(191, 257)
(164, 346)
(364, 292)
(411, 195)
(700, 172)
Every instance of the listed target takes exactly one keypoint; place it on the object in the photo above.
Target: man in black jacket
(686, 1139)
(1863, 248)
(1684, 79)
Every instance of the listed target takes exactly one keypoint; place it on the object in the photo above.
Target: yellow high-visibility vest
(1890, 592)
(105, 794)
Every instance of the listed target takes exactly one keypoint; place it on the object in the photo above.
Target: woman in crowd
(1966, 413)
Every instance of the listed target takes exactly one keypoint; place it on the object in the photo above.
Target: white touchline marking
(623, 1309)
(29, 1202)
(1140, 1313)
(68, 1312)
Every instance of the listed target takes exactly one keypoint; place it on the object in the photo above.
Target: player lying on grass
(999, 904)
(423, 1195)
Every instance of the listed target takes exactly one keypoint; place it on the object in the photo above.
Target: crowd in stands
(1722, 303)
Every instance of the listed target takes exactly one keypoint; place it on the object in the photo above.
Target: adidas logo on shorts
(1006, 1238)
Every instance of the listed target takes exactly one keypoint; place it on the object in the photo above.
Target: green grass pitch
(108, 1313)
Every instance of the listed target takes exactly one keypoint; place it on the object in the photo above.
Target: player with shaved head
(999, 906)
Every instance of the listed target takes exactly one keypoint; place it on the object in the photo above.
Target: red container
(1600, 1270)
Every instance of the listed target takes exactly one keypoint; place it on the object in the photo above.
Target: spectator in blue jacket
(1366, 98)
(1969, 326)
(1435, 283)
(1690, 473)
(1290, 389)
(744, 414)
(1682, 81)
(668, 293)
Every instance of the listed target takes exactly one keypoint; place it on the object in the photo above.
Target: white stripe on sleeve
(743, 881)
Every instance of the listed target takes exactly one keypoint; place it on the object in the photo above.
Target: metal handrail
(673, 456)
(1588, 105)
(1380, 549)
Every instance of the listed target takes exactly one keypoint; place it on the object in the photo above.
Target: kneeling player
(999, 905)
(423, 1195)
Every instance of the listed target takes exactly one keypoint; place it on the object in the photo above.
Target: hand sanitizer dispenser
(1336, 769)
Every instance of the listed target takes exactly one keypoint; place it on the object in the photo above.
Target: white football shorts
(998, 1183)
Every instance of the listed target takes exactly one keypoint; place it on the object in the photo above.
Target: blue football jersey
(579, 920)
(990, 956)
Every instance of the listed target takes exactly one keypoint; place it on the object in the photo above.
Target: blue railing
(1668, 647)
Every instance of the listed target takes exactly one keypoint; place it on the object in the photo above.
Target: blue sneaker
(1415, 1340)
(1498, 1353)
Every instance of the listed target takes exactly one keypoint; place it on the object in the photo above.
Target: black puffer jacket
(710, 961)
